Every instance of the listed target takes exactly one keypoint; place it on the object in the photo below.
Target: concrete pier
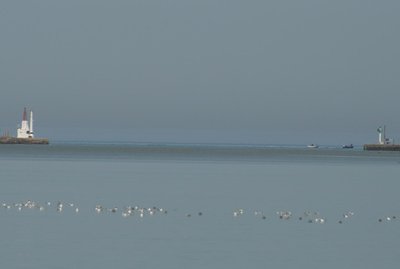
(15, 140)
(382, 147)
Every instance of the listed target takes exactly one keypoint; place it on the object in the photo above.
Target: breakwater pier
(16, 140)
(382, 147)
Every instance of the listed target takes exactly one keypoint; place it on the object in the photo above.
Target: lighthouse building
(26, 128)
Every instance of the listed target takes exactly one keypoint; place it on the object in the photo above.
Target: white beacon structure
(26, 129)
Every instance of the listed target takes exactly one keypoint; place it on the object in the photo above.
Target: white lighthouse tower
(382, 135)
(382, 139)
(26, 129)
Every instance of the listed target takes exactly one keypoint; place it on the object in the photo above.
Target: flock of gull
(141, 212)
(308, 216)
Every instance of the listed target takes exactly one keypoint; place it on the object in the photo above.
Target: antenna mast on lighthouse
(31, 125)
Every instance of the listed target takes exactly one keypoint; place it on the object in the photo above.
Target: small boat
(313, 146)
(350, 146)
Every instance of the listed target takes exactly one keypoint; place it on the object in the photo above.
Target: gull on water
(238, 212)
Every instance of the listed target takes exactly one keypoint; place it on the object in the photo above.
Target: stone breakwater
(31, 141)
(380, 147)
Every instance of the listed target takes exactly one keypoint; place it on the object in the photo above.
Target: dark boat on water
(350, 146)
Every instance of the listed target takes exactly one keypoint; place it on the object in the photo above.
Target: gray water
(205, 206)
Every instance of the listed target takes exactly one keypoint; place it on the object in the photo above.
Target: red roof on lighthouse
(24, 115)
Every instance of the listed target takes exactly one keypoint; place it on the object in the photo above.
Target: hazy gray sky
(281, 71)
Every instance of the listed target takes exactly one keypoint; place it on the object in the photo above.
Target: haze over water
(206, 71)
(213, 206)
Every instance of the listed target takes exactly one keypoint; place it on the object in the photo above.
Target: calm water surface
(204, 207)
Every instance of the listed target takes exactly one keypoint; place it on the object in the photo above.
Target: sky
(209, 71)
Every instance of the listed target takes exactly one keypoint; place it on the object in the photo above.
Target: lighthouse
(382, 135)
(384, 143)
(382, 139)
(24, 133)
(26, 128)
